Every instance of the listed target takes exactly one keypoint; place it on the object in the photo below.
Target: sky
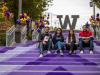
(71, 7)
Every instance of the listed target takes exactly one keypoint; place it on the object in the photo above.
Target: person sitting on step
(45, 41)
(86, 39)
(71, 42)
(58, 40)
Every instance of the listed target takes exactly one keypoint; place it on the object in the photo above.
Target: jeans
(59, 45)
(90, 43)
(44, 47)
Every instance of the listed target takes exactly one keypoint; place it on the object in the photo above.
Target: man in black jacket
(45, 40)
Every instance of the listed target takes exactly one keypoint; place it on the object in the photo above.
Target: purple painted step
(53, 61)
(65, 55)
(70, 68)
(50, 63)
(54, 73)
(28, 43)
(97, 42)
(56, 59)
(69, 65)
(4, 49)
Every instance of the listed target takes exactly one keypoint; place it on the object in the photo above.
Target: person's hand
(44, 42)
(39, 41)
(85, 37)
(68, 43)
(53, 45)
(86, 40)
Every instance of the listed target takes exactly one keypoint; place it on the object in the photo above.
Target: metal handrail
(23, 34)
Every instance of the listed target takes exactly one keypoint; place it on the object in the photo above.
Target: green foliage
(33, 8)
(97, 2)
(2, 39)
(13, 7)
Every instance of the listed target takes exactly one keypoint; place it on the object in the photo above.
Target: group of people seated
(56, 42)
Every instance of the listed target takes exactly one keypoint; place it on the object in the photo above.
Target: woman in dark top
(71, 40)
(58, 40)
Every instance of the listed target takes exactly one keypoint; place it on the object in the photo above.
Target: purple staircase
(53, 64)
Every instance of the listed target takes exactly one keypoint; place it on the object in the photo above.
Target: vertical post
(20, 7)
(92, 4)
(51, 19)
(94, 9)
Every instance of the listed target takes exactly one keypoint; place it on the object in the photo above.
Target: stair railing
(10, 36)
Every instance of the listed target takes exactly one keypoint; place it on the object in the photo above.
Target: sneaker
(48, 52)
(55, 52)
(41, 55)
(81, 52)
(70, 52)
(91, 52)
(74, 52)
(61, 53)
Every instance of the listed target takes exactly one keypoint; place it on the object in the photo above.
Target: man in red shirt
(86, 39)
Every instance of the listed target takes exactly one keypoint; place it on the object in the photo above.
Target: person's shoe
(70, 52)
(91, 52)
(81, 52)
(55, 52)
(48, 52)
(61, 54)
(74, 52)
(41, 55)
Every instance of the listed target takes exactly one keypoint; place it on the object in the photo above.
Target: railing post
(10, 36)
(23, 34)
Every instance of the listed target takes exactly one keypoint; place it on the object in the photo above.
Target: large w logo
(67, 21)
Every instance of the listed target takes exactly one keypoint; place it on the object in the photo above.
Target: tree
(33, 8)
(13, 8)
(97, 2)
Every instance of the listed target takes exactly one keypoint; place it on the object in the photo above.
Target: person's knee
(80, 42)
(80, 39)
(59, 42)
(91, 43)
(91, 38)
(59, 45)
(41, 44)
(50, 41)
